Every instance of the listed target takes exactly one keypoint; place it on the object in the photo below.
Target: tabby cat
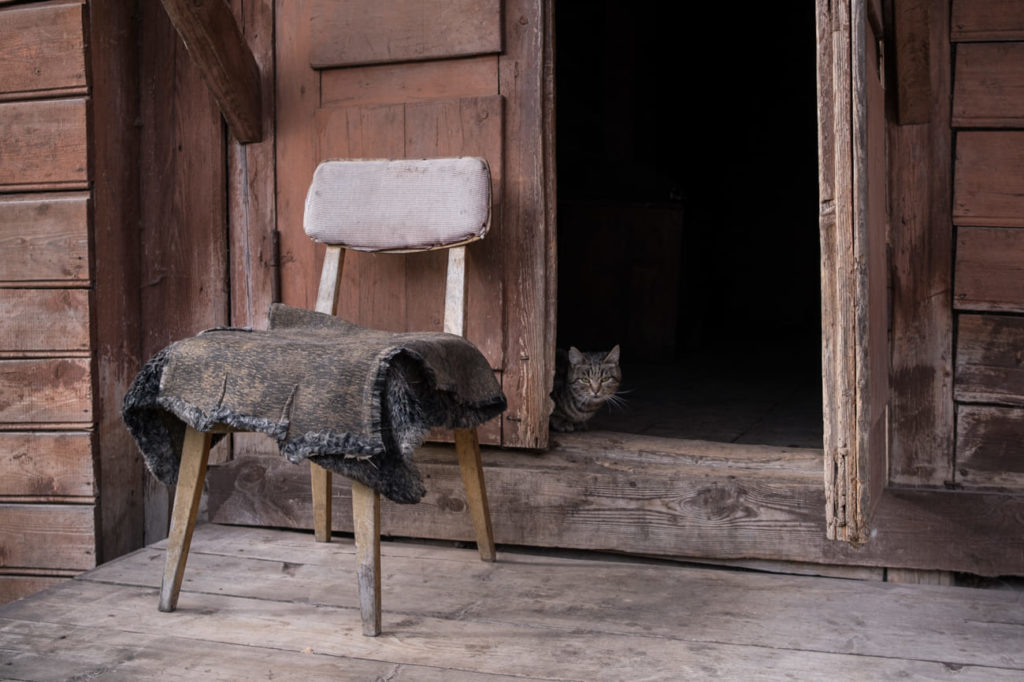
(583, 383)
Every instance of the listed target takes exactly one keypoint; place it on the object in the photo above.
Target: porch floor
(269, 604)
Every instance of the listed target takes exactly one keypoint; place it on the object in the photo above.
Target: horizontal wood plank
(56, 390)
(990, 360)
(593, 492)
(44, 320)
(17, 586)
(974, 20)
(988, 179)
(46, 465)
(59, 536)
(386, 31)
(547, 636)
(44, 237)
(988, 447)
(413, 82)
(42, 48)
(989, 271)
(988, 86)
(43, 145)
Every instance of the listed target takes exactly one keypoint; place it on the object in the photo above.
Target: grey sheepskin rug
(356, 401)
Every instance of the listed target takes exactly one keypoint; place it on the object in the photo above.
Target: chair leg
(321, 480)
(366, 520)
(467, 447)
(194, 456)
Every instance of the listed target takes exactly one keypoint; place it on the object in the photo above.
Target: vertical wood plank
(912, 27)
(922, 262)
(184, 236)
(114, 69)
(252, 210)
(527, 235)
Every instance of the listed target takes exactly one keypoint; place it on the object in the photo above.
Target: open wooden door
(854, 225)
(418, 79)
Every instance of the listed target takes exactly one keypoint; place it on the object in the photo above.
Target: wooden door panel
(382, 31)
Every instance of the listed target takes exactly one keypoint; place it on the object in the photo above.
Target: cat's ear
(575, 356)
(613, 355)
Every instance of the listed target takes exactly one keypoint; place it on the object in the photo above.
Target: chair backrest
(399, 205)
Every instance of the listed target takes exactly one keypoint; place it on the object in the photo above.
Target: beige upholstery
(399, 205)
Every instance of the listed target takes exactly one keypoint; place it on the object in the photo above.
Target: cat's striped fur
(583, 383)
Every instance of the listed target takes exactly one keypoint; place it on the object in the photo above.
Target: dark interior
(687, 201)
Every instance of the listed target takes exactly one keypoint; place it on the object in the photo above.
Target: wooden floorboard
(262, 604)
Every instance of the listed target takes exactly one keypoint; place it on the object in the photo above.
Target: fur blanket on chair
(356, 401)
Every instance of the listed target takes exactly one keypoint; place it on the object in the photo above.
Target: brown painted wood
(43, 145)
(988, 87)
(44, 320)
(372, 31)
(978, 20)
(46, 465)
(45, 391)
(638, 495)
(990, 359)
(219, 50)
(912, 25)
(410, 82)
(44, 237)
(989, 269)
(988, 448)
(988, 187)
(42, 47)
(114, 73)
(528, 230)
(921, 248)
(18, 586)
(47, 536)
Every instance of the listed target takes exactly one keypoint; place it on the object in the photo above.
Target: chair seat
(354, 400)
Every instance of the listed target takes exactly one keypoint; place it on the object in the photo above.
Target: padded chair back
(399, 205)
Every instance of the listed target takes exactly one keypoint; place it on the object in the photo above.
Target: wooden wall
(988, 212)
(48, 484)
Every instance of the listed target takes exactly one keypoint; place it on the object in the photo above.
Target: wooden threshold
(691, 500)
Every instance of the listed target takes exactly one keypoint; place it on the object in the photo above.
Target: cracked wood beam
(216, 45)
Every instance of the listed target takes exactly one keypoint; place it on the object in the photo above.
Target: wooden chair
(382, 206)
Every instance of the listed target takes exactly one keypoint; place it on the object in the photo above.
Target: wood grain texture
(988, 448)
(921, 248)
(990, 359)
(988, 86)
(252, 207)
(114, 72)
(42, 48)
(195, 455)
(45, 237)
(717, 502)
(219, 51)
(372, 31)
(47, 536)
(43, 145)
(912, 25)
(184, 235)
(44, 320)
(46, 391)
(979, 20)
(47, 465)
(411, 82)
(528, 239)
(18, 586)
(988, 188)
(989, 269)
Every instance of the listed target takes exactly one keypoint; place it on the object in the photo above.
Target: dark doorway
(688, 232)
